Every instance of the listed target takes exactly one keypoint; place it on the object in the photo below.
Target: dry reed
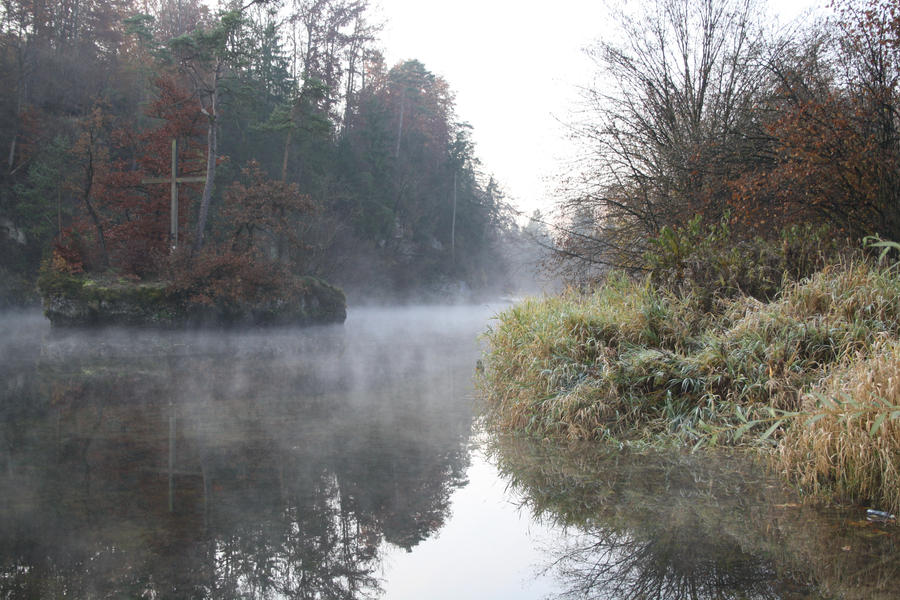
(848, 440)
(636, 364)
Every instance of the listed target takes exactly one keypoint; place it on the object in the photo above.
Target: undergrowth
(812, 374)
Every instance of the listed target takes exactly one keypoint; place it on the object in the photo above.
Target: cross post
(174, 180)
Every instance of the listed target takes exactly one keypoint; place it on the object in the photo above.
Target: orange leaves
(260, 211)
(66, 259)
(826, 166)
(226, 280)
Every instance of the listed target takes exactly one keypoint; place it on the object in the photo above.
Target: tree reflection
(612, 564)
(281, 481)
(675, 526)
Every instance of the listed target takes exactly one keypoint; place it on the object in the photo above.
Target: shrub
(813, 372)
(709, 261)
(631, 357)
(226, 283)
(571, 364)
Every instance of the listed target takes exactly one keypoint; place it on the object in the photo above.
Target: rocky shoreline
(73, 300)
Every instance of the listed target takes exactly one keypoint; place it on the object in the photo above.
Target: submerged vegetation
(810, 373)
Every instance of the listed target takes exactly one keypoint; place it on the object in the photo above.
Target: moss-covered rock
(75, 300)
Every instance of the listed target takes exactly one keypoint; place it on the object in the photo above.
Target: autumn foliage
(224, 283)
(307, 151)
(126, 219)
(776, 132)
(123, 223)
(260, 214)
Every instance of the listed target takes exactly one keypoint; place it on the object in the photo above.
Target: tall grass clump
(772, 352)
(553, 364)
(810, 372)
(632, 357)
(707, 261)
(847, 442)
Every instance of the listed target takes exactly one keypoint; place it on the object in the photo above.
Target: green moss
(52, 282)
(76, 300)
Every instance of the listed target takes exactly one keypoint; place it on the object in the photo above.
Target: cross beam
(174, 180)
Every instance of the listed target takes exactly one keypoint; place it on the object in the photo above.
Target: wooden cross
(174, 180)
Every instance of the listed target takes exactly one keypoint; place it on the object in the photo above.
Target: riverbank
(812, 378)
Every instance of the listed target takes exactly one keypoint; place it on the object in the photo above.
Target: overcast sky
(515, 67)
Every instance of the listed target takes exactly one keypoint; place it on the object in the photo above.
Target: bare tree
(663, 126)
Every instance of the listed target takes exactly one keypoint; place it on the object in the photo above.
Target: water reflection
(675, 526)
(137, 464)
(289, 463)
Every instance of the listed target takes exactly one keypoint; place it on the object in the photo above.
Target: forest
(297, 151)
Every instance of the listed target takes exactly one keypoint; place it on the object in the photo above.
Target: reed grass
(635, 364)
(848, 439)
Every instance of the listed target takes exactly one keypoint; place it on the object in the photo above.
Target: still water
(347, 462)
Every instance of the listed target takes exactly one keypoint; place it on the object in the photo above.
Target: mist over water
(347, 462)
(272, 461)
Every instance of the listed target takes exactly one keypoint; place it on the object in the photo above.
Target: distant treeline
(325, 160)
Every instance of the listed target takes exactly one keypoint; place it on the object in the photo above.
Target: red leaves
(260, 211)
(66, 259)
(826, 166)
(226, 279)
(114, 156)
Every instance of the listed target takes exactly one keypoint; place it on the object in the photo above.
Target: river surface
(348, 462)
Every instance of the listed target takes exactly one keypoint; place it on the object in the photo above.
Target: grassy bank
(813, 375)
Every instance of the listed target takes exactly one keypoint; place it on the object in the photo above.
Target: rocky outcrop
(72, 300)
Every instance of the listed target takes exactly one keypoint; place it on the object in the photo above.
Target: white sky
(515, 67)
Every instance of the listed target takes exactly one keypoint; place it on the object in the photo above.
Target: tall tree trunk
(12, 150)
(88, 186)
(211, 150)
(348, 93)
(287, 150)
(21, 91)
(210, 178)
(400, 124)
